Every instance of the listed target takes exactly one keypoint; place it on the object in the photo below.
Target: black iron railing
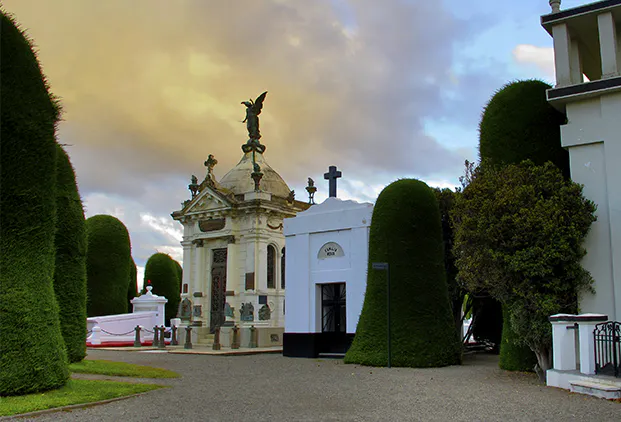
(607, 337)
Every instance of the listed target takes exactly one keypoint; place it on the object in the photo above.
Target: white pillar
(563, 342)
(187, 261)
(608, 45)
(587, 344)
(562, 62)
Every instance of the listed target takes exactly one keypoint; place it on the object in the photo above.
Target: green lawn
(75, 392)
(121, 369)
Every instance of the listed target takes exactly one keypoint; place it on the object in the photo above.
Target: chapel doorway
(333, 318)
(218, 288)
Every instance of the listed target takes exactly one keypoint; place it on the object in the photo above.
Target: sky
(382, 89)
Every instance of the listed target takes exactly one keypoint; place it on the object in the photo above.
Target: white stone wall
(593, 138)
(345, 223)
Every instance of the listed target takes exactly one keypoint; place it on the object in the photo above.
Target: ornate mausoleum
(234, 247)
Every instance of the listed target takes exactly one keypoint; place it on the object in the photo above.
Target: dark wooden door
(333, 337)
(218, 288)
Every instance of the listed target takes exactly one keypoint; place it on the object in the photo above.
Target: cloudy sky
(382, 89)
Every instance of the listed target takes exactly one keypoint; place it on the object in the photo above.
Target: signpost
(383, 266)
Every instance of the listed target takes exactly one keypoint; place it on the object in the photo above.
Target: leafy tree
(518, 235)
(406, 233)
(163, 273)
(32, 352)
(108, 265)
(70, 272)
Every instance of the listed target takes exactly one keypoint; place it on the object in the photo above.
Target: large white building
(587, 43)
(233, 250)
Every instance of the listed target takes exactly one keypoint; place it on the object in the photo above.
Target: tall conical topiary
(406, 233)
(161, 270)
(179, 275)
(70, 273)
(32, 352)
(132, 288)
(107, 265)
(519, 124)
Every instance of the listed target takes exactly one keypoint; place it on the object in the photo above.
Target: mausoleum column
(608, 45)
(562, 61)
(187, 261)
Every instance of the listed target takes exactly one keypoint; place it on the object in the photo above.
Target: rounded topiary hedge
(519, 124)
(514, 356)
(107, 265)
(161, 270)
(32, 351)
(132, 288)
(406, 233)
(70, 273)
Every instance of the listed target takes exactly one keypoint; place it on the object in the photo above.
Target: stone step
(597, 389)
(206, 340)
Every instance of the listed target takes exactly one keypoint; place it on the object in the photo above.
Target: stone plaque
(262, 300)
(249, 281)
(230, 293)
(198, 310)
(247, 312)
(229, 311)
(198, 294)
(264, 313)
(274, 338)
(185, 309)
(211, 225)
(330, 250)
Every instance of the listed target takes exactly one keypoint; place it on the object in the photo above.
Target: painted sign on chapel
(330, 250)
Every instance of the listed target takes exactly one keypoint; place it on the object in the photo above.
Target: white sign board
(330, 250)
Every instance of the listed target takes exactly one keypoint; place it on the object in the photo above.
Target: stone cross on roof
(332, 175)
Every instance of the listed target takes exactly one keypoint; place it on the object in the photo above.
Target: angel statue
(253, 109)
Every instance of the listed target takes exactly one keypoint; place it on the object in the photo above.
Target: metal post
(253, 337)
(234, 341)
(162, 343)
(216, 339)
(188, 338)
(137, 339)
(156, 336)
(173, 340)
(388, 310)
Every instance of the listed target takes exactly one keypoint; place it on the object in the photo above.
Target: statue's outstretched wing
(258, 103)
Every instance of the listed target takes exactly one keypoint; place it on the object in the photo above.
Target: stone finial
(555, 5)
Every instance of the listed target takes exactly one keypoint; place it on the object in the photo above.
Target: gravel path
(272, 387)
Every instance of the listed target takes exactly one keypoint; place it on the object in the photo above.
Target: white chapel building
(327, 260)
(234, 248)
(587, 42)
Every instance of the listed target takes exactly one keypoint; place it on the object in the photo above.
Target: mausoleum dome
(239, 181)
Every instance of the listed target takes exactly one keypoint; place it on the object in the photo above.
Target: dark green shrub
(70, 273)
(519, 124)
(162, 271)
(132, 288)
(179, 275)
(514, 356)
(32, 352)
(406, 233)
(107, 265)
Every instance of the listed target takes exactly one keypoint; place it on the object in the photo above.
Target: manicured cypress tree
(70, 273)
(32, 352)
(179, 275)
(107, 265)
(514, 357)
(162, 271)
(519, 124)
(406, 233)
(132, 289)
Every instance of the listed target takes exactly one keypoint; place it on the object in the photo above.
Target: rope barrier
(114, 334)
